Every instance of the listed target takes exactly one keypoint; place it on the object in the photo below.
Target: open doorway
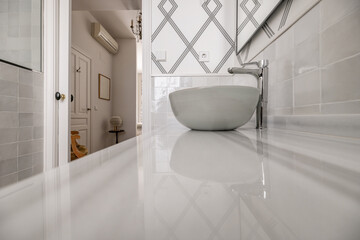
(106, 74)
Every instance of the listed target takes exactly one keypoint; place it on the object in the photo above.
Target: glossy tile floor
(181, 184)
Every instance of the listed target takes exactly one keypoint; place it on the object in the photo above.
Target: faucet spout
(261, 73)
(254, 72)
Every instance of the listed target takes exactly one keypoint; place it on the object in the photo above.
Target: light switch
(204, 56)
(160, 55)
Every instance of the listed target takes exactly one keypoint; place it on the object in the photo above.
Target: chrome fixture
(261, 73)
(137, 29)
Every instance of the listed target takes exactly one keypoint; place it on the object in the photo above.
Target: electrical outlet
(160, 55)
(204, 56)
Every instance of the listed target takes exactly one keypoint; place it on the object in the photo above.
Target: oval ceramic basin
(214, 108)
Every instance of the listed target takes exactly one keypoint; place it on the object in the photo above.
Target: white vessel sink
(214, 108)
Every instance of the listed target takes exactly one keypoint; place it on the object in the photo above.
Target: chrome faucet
(261, 73)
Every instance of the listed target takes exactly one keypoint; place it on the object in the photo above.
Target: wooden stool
(77, 150)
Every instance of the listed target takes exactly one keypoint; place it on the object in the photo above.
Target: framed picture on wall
(104, 87)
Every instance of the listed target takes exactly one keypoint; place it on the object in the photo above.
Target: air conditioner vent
(104, 38)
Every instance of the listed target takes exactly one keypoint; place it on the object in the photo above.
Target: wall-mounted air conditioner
(104, 38)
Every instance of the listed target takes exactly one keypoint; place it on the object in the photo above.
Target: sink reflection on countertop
(227, 157)
(195, 185)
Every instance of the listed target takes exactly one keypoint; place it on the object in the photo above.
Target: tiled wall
(315, 65)
(21, 123)
(20, 32)
(183, 28)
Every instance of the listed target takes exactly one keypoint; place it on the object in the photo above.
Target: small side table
(117, 134)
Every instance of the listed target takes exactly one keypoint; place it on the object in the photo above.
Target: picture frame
(104, 87)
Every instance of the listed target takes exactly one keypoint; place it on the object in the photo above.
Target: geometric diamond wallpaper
(183, 28)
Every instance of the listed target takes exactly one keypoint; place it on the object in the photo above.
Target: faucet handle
(261, 64)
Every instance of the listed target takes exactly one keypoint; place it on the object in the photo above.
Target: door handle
(59, 96)
(88, 109)
(72, 98)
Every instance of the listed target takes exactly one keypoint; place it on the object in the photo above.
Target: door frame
(57, 48)
(78, 49)
(56, 41)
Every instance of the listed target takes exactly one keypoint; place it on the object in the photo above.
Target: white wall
(101, 62)
(188, 29)
(124, 86)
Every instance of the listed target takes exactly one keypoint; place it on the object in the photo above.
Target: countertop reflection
(181, 184)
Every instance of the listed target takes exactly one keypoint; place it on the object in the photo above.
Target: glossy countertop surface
(180, 184)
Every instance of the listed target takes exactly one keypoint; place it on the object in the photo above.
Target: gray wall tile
(307, 110)
(8, 104)
(341, 108)
(25, 162)
(25, 174)
(307, 55)
(25, 133)
(9, 73)
(332, 11)
(284, 94)
(21, 107)
(8, 179)
(340, 81)
(9, 119)
(26, 119)
(341, 40)
(307, 26)
(307, 89)
(8, 88)
(8, 135)
(8, 151)
(25, 91)
(26, 105)
(8, 166)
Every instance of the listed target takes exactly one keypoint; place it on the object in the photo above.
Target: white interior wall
(101, 62)
(124, 86)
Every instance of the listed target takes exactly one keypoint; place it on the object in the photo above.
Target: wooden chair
(77, 150)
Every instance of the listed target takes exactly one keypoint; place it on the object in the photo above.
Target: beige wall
(101, 62)
(124, 86)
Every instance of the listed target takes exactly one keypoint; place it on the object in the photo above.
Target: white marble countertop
(180, 184)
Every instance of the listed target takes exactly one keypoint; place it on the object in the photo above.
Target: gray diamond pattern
(190, 44)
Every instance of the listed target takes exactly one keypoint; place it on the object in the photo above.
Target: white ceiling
(106, 5)
(117, 23)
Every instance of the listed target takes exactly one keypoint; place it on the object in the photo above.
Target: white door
(80, 89)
